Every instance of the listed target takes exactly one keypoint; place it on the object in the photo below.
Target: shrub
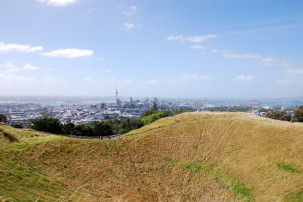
(298, 114)
(278, 115)
(50, 125)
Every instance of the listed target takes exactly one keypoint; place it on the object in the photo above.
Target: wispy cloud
(283, 81)
(14, 78)
(187, 76)
(10, 67)
(275, 62)
(197, 47)
(172, 37)
(152, 81)
(294, 72)
(129, 27)
(19, 47)
(69, 53)
(198, 39)
(48, 79)
(241, 56)
(221, 51)
(194, 39)
(7, 65)
(30, 67)
(128, 11)
(243, 78)
(58, 2)
(89, 79)
(8, 70)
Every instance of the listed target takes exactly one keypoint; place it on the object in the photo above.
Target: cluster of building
(121, 109)
(268, 108)
(85, 113)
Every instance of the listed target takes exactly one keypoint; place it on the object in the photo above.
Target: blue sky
(164, 48)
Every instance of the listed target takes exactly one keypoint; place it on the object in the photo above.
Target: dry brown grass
(189, 157)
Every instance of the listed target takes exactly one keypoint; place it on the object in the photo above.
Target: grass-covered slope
(192, 156)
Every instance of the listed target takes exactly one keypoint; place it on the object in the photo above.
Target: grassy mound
(192, 156)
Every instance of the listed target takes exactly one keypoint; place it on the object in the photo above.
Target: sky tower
(116, 93)
(117, 100)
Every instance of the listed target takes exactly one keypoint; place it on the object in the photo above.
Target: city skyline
(195, 49)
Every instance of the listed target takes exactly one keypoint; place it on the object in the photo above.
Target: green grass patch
(296, 197)
(240, 188)
(288, 167)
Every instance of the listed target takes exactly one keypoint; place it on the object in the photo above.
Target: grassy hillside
(192, 156)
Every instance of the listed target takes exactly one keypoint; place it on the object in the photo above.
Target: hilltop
(192, 156)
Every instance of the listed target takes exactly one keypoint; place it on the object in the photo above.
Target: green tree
(101, 128)
(278, 115)
(68, 128)
(3, 118)
(154, 107)
(17, 125)
(298, 114)
(50, 125)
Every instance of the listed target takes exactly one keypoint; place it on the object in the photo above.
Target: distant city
(82, 110)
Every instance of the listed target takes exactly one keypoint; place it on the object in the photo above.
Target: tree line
(283, 116)
(100, 128)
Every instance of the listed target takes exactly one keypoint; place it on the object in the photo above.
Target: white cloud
(13, 78)
(294, 72)
(268, 59)
(107, 71)
(170, 38)
(12, 70)
(187, 76)
(129, 26)
(48, 79)
(101, 58)
(151, 81)
(89, 79)
(241, 56)
(30, 67)
(221, 51)
(195, 39)
(197, 47)
(275, 62)
(58, 2)
(128, 11)
(19, 47)
(8, 67)
(283, 81)
(243, 78)
(69, 53)
(198, 39)
(6, 75)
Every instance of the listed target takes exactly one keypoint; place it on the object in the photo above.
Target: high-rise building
(155, 99)
(131, 100)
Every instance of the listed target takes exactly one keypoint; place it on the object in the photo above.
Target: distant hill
(192, 156)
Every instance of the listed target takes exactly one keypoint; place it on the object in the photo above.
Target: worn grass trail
(192, 156)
